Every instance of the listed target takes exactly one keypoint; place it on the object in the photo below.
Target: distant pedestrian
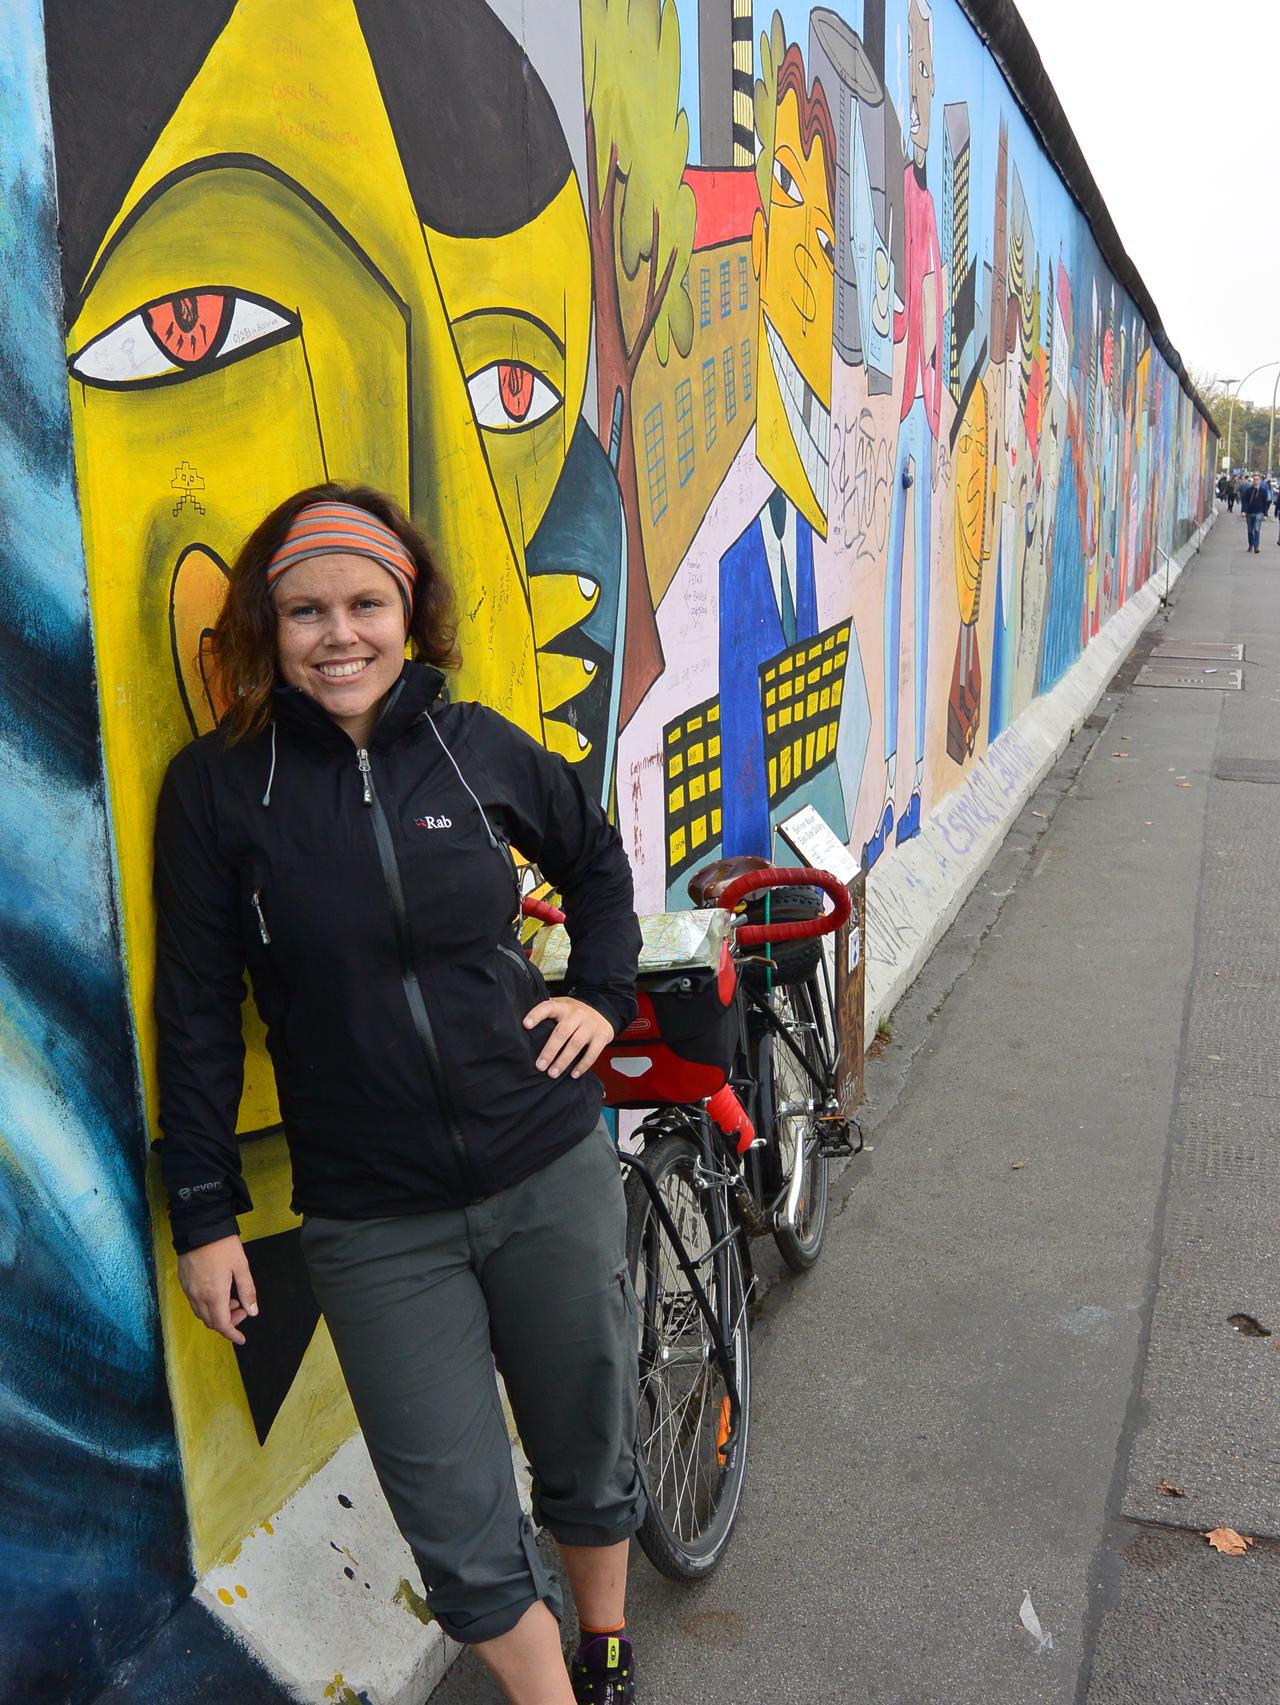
(1255, 503)
(1231, 493)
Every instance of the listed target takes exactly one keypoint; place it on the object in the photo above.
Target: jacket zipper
(262, 922)
(408, 976)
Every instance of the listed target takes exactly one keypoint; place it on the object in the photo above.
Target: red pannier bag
(680, 1045)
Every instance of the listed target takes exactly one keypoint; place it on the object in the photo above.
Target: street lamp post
(1232, 414)
(1271, 436)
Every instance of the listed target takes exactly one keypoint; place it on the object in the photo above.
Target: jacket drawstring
(266, 798)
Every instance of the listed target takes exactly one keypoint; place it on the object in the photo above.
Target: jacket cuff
(187, 1238)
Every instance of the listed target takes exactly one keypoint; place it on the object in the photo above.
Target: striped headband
(344, 529)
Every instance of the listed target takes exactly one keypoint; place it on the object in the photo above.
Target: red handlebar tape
(753, 935)
(804, 929)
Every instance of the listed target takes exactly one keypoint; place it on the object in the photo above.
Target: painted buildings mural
(754, 373)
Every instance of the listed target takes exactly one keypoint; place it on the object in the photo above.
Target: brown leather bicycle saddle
(707, 885)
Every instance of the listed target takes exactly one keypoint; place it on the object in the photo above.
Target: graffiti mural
(758, 380)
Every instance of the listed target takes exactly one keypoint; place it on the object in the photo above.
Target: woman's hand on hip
(219, 1286)
(580, 1033)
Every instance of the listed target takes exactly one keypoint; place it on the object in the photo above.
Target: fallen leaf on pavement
(1167, 1489)
(1228, 1541)
(1017, 1166)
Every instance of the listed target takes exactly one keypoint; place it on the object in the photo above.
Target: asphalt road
(1020, 1324)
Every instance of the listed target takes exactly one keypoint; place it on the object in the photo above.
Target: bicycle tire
(686, 1537)
(782, 1078)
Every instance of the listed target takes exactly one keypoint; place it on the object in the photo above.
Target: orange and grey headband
(344, 529)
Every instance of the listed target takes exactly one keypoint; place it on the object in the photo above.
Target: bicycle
(733, 1061)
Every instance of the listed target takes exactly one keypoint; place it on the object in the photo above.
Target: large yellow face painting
(348, 243)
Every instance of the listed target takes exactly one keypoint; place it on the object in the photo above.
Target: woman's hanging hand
(219, 1286)
(580, 1033)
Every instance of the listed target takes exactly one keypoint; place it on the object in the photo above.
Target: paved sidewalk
(1019, 1325)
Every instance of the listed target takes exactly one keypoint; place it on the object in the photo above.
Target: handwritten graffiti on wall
(778, 420)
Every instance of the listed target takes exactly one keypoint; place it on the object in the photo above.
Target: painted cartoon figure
(920, 323)
(768, 598)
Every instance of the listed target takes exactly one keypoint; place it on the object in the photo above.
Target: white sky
(1167, 99)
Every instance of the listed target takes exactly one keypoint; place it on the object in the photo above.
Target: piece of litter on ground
(1146, 822)
(1184, 784)
(1211, 671)
(1167, 1489)
(1031, 1622)
(1017, 1166)
(1037, 813)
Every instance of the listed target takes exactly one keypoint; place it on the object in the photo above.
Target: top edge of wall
(1010, 44)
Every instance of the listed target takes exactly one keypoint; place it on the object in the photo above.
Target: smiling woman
(419, 1073)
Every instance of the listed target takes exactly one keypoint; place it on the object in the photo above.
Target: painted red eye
(515, 388)
(509, 396)
(187, 326)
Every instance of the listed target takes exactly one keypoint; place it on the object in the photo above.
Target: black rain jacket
(372, 900)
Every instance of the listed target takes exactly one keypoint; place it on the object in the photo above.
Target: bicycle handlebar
(802, 929)
(753, 935)
(543, 910)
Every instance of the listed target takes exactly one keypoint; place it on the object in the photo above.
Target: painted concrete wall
(765, 392)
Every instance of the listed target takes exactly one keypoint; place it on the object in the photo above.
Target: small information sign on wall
(816, 844)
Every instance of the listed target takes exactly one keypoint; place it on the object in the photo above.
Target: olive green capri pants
(420, 1307)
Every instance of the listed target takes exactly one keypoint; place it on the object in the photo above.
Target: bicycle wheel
(694, 1492)
(788, 1100)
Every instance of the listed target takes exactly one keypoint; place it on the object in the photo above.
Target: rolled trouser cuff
(500, 1619)
(567, 1533)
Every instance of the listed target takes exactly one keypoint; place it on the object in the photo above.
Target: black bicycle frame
(779, 1029)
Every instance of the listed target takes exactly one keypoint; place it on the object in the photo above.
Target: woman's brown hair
(243, 642)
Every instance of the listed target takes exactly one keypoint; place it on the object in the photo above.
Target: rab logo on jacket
(433, 822)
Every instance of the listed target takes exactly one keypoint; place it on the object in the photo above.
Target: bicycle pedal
(836, 1139)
